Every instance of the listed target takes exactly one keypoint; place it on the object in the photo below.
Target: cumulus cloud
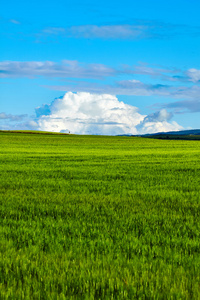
(154, 127)
(159, 116)
(158, 122)
(86, 113)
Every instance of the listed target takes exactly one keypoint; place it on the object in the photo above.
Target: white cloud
(185, 106)
(145, 69)
(158, 122)
(53, 30)
(123, 87)
(65, 69)
(159, 116)
(16, 124)
(141, 29)
(153, 127)
(109, 31)
(86, 113)
(194, 75)
(73, 69)
(15, 22)
(10, 117)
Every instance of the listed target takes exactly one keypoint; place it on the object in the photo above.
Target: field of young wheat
(96, 217)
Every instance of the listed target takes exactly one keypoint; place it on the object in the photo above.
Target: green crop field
(96, 217)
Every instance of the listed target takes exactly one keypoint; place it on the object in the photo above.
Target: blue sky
(144, 54)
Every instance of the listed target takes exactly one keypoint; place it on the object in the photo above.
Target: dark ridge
(193, 134)
(181, 132)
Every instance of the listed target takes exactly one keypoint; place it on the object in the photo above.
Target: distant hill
(193, 134)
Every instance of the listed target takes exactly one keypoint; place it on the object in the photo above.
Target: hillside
(175, 135)
(99, 217)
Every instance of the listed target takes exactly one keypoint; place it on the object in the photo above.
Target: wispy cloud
(188, 93)
(185, 106)
(189, 103)
(54, 30)
(14, 21)
(125, 87)
(166, 74)
(28, 125)
(75, 69)
(193, 75)
(142, 29)
(7, 21)
(182, 92)
(15, 122)
(109, 32)
(65, 69)
(136, 30)
(10, 117)
(120, 31)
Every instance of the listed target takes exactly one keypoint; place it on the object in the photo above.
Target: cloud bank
(87, 113)
(75, 69)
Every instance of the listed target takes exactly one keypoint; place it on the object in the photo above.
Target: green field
(93, 217)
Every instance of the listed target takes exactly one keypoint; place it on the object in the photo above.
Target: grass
(93, 217)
